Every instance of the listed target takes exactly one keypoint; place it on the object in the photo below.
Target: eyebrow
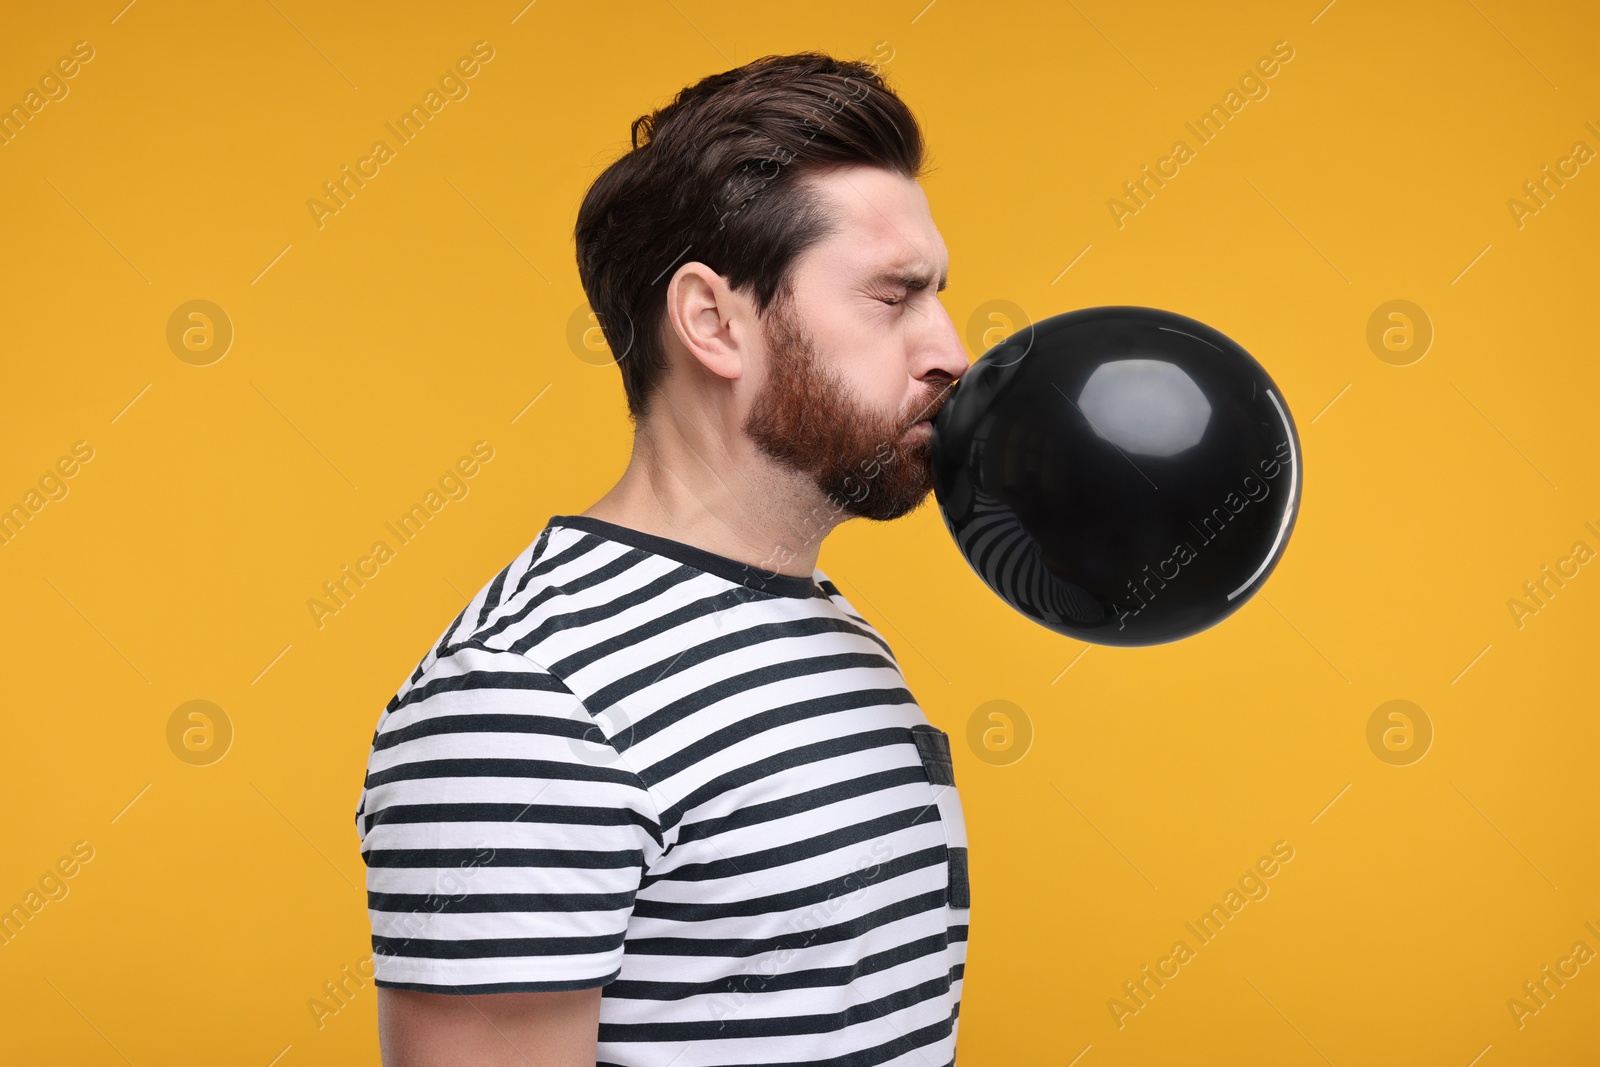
(909, 276)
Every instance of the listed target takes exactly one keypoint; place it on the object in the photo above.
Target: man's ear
(710, 319)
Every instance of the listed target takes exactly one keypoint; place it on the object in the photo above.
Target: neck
(720, 494)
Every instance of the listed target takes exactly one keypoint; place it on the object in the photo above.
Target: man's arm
(503, 849)
(488, 1030)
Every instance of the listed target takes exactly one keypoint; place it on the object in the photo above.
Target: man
(659, 795)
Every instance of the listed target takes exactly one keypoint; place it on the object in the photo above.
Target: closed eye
(903, 284)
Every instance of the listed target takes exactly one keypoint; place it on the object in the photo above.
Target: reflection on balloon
(1145, 406)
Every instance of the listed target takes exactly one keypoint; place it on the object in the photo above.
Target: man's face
(863, 352)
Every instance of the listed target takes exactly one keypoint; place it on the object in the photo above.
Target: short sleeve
(504, 837)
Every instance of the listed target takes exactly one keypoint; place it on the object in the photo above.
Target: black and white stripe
(634, 764)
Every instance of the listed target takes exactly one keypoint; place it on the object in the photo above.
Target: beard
(807, 419)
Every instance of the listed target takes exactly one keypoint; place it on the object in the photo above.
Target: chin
(889, 510)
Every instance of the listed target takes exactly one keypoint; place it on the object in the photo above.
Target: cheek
(859, 348)
(879, 375)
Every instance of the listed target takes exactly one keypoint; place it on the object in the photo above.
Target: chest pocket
(933, 745)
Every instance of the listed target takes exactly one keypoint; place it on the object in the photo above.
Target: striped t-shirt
(633, 763)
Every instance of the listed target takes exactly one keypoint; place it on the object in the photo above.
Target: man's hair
(714, 177)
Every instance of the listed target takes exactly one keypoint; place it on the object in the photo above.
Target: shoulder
(540, 593)
(479, 711)
(842, 603)
(485, 732)
(483, 696)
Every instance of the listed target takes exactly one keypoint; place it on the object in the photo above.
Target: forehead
(883, 224)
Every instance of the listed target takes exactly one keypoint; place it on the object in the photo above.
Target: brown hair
(714, 177)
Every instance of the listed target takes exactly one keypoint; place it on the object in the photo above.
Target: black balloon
(1121, 475)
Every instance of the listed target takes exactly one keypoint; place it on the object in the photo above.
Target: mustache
(933, 405)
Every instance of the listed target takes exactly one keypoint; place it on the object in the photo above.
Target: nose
(943, 354)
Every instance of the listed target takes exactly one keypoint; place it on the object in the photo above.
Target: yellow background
(431, 311)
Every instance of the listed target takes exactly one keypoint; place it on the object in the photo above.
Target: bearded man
(660, 794)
